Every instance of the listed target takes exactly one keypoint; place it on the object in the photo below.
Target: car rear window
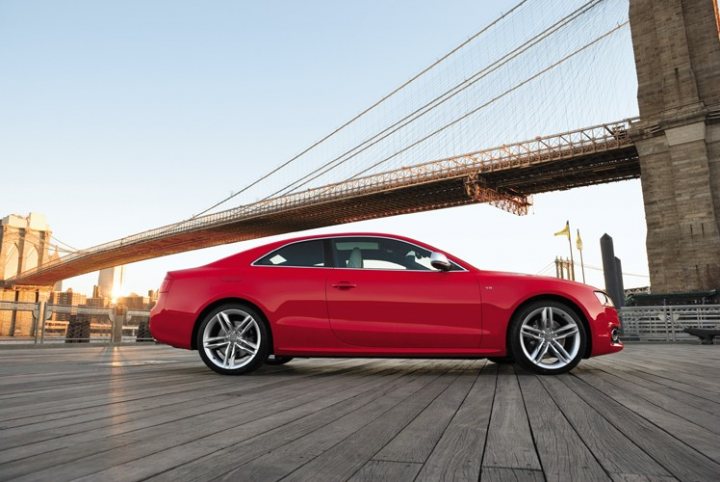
(303, 254)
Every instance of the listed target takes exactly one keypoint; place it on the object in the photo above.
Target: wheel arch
(223, 301)
(572, 304)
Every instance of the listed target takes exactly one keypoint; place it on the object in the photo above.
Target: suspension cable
(437, 101)
(493, 100)
(365, 111)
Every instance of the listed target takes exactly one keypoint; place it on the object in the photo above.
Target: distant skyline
(116, 117)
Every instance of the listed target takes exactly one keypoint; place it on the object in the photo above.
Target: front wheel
(547, 337)
(233, 339)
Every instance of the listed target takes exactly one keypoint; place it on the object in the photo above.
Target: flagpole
(572, 260)
(582, 262)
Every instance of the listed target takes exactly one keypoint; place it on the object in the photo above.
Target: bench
(706, 335)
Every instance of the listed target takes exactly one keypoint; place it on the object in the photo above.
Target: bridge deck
(651, 412)
(503, 175)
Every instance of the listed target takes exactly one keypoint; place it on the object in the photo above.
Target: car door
(291, 282)
(383, 292)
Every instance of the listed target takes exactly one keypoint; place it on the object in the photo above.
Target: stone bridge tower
(677, 56)
(24, 244)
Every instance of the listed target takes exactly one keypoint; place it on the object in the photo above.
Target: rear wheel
(277, 360)
(548, 337)
(233, 339)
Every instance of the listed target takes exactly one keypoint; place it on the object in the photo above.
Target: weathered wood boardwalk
(651, 412)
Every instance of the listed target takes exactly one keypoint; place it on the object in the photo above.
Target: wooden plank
(89, 452)
(415, 442)
(458, 454)
(200, 383)
(134, 402)
(504, 474)
(121, 392)
(509, 443)
(681, 460)
(296, 440)
(618, 455)
(562, 453)
(342, 460)
(661, 378)
(681, 403)
(134, 413)
(692, 433)
(248, 441)
(288, 458)
(119, 424)
(383, 470)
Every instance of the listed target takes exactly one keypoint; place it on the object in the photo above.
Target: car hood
(558, 282)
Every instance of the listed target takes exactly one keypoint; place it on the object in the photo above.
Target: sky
(116, 117)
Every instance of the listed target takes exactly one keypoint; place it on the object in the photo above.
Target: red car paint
(333, 311)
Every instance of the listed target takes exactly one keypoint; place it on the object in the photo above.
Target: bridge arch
(12, 261)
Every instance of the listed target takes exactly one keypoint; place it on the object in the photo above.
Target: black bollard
(620, 282)
(610, 270)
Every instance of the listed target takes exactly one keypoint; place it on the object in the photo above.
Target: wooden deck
(651, 412)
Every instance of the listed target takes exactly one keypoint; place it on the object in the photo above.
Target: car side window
(382, 253)
(303, 254)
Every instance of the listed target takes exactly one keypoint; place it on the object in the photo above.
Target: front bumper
(606, 330)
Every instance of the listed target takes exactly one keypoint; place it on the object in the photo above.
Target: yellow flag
(579, 241)
(565, 231)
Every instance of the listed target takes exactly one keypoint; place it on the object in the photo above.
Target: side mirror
(440, 262)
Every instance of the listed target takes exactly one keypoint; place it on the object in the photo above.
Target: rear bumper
(171, 327)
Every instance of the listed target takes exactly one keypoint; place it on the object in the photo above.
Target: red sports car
(376, 295)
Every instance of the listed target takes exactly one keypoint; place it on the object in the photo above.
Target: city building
(110, 280)
(64, 299)
(136, 302)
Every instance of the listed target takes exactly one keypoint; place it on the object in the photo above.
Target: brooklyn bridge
(400, 155)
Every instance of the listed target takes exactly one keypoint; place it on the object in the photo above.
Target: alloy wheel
(231, 339)
(550, 337)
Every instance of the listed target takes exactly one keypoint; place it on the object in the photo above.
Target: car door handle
(344, 285)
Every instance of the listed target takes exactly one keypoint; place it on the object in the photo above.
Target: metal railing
(76, 324)
(44, 323)
(666, 323)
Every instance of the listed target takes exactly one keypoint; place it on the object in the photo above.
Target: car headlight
(604, 299)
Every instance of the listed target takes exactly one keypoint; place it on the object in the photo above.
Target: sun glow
(118, 292)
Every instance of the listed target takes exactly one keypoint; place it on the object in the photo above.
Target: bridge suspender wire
(434, 103)
(418, 113)
(494, 99)
(59, 242)
(37, 242)
(361, 114)
(316, 173)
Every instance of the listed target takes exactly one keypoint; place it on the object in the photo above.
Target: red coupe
(376, 295)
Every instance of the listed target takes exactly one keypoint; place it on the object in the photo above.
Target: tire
(233, 339)
(547, 337)
(500, 360)
(277, 360)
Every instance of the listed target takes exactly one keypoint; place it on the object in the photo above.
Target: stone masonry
(24, 244)
(677, 56)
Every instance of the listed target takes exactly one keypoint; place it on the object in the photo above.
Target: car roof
(250, 255)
